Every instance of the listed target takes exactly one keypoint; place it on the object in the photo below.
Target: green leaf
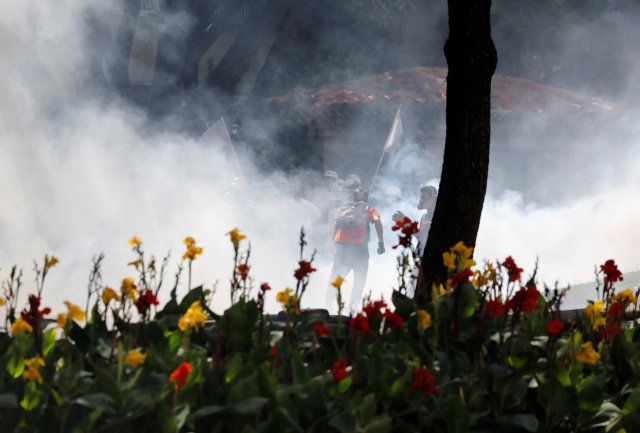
(298, 370)
(8, 401)
(250, 406)
(15, 366)
(181, 416)
(97, 401)
(525, 421)
(456, 415)
(233, 367)
(31, 398)
(468, 300)
(244, 388)
(205, 412)
(590, 394)
(345, 384)
(563, 375)
(48, 341)
(381, 424)
(343, 422)
(367, 409)
(398, 385)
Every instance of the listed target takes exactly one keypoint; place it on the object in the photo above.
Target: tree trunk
(472, 59)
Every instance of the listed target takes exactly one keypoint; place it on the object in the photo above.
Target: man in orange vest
(351, 237)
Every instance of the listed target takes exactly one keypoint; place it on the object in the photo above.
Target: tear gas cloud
(79, 177)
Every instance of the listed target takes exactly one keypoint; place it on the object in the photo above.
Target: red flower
(33, 316)
(616, 310)
(554, 327)
(339, 370)
(392, 320)
(424, 381)
(264, 287)
(525, 299)
(304, 269)
(243, 271)
(611, 272)
(360, 323)
(495, 308)
(512, 269)
(408, 228)
(273, 352)
(145, 301)
(374, 307)
(321, 329)
(180, 374)
(461, 277)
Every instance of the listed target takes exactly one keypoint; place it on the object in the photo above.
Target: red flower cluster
(33, 316)
(339, 370)
(407, 229)
(611, 272)
(243, 271)
(554, 327)
(461, 277)
(616, 310)
(180, 374)
(145, 301)
(360, 323)
(424, 381)
(373, 308)
(304, 269)
(525, 299)
(495, 308)
(321, 329)
(265, 287)
(512, 269)
(392, 320)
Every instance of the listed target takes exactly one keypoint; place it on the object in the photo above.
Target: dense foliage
(486, 353)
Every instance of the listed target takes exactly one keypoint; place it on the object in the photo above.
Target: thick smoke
(79, 176)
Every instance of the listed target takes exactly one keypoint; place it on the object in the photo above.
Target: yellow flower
(449, 260)
(135, 358)
(440, 290)
(337, 283)
(127, 286)
(33, 375)
(20, 326)
(2, 301)
(188, 241)
(62, 320)
(193, 318)
(284, 296)
(462, 249)
(468, 263)
(35, 362)
(626, 296)
(133, 295)
(593, 310)
(108, 294)
(50, 262)
(598, 323)
(192, 252)
(586, 354)
(134, 241)
(424, 320)
(75, 312)
(235, 236)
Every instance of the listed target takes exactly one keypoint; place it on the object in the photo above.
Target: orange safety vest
(356, 235)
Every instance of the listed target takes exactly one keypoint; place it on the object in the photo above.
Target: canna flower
(512, 269)
(35, 362)
(449, 260)
(598, 323)
(625, 297)
(108, 295)
(360, 323)
(127, 287)
(20, 326)
(392, 320)
(461, 249)
(180, 375)
(374, 308)
(235, 236)
(193, 318)
(554, 327)
(320, 329)
(611, 272)
(339, 370)
(75, 312)
(616, 310)
(337, 283)
(461, 277)
(273, 352)
(189, 241)
(424, 320)
(192, 251)
(424, 381)
(495, 308)
(134, 241)
(303, 270)
(33, 369)
(145, 301)
(284, 296)
(593, 310)
(135, 358)
(50, 262)
(242, 270)
(586, 354)
(440, 290)
(61, 320)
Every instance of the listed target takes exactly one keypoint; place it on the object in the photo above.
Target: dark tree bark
(472, 59)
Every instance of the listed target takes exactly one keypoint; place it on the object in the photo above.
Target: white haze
(78, 178)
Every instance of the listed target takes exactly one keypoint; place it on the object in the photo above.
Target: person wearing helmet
(351, 227)
(427, 201)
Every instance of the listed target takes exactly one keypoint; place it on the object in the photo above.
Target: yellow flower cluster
(235, 236)
(33, 369)
(20, 326)
(485, 276)
(50, 262)
(424, 320)
(135, 241)
(593, 312)
(193, 251)
(337, 283)
(193, 318)
(108, 295)
(73, 312)
(587, 354)
(626, 297)
(128, 289)
(135, 357)
(288, 299)
(458, 258)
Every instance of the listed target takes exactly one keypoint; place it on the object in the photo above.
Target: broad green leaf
(468, 300)
(31, 398)
(48, 341)
(250, 406)
(367, 409)
(343, 422)
(97, 401)
(205, 412)
(345, 384)
(298, 370)
(563, 375)
(397, 386)
(381, 424)
(181, 416)
(233, 367)
(525, 421)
